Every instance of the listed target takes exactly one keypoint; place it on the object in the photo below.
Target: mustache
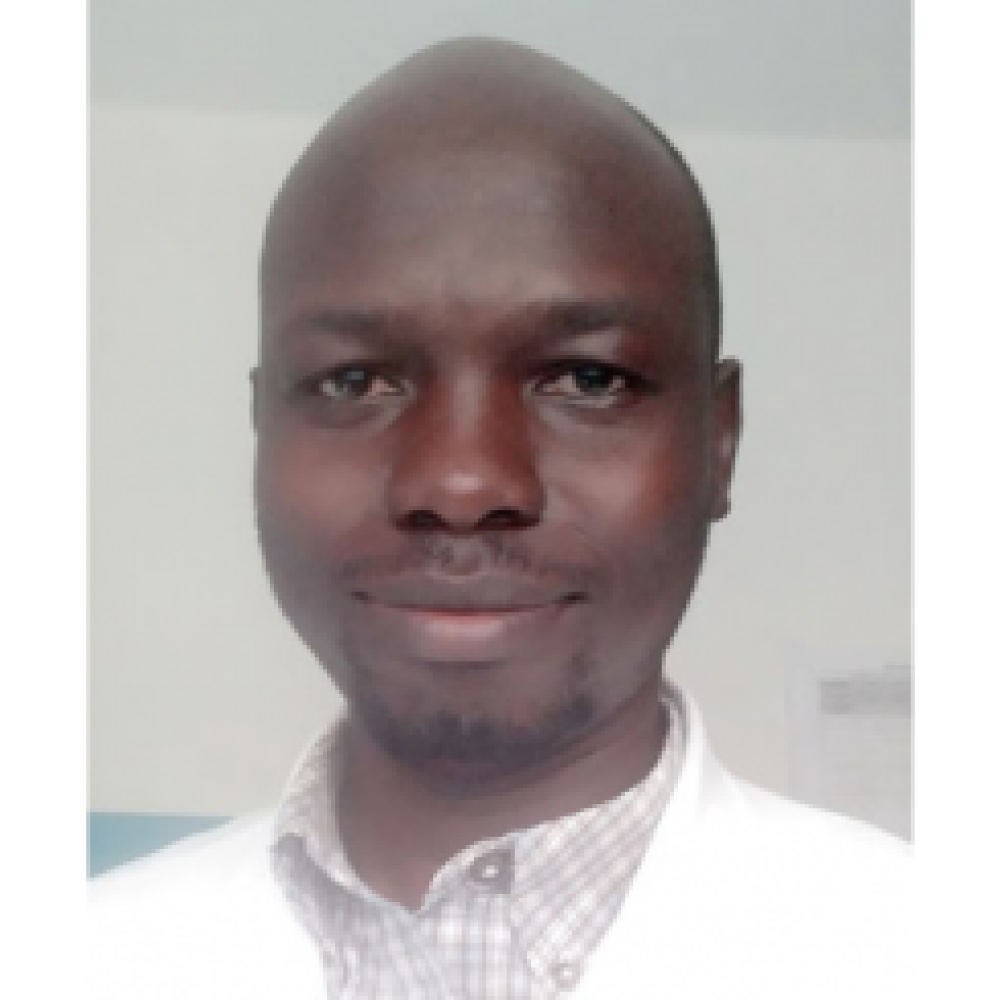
(481, 554)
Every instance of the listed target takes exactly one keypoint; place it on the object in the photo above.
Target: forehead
(428, 224)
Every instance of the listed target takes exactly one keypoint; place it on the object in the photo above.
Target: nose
(466, 463)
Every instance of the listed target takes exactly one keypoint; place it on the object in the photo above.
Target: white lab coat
(741, 895)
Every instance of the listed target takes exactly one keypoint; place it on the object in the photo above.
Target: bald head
(462, 125)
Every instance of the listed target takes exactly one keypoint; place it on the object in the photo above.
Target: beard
(465, 751)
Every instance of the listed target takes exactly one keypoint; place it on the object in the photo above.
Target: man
(493, 432)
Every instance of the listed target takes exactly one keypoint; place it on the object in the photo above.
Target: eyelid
(312, 384)
(628, 380)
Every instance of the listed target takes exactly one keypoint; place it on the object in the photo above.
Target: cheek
(647, 506)
(310, 503)
(307, 496)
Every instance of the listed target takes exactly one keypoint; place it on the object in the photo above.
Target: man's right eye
(352, 382)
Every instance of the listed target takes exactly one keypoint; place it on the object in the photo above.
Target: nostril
(497, 519)
(504, 517)
(423, 520)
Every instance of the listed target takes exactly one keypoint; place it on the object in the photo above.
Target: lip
(479, 594)
(461, 626)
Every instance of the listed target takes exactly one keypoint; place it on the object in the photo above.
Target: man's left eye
(588, 381)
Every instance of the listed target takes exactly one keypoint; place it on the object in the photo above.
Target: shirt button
(492, 869)
(566, 974)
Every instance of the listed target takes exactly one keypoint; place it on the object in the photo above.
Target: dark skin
(492, 438)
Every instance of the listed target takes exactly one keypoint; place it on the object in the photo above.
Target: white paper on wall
(851, 738)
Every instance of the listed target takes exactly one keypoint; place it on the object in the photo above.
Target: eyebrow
(571, 317)
(561, 318)
(352, 322)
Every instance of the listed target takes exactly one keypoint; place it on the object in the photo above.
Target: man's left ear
(727, 421)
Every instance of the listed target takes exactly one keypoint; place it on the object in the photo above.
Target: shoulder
(808, 888)
(791, 872)
(203, 917)
(204, 863)
(736, 823)
(802, 834)
(187, 891)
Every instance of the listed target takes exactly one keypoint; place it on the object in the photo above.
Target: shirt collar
(541, 860)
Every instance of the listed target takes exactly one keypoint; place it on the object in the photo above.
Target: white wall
(200, 694)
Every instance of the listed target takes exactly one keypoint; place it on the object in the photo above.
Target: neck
(398, 828)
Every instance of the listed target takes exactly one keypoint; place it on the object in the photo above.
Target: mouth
(453, 627)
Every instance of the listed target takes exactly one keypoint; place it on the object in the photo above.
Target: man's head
(492, 430)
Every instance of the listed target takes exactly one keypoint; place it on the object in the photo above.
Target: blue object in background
(115, 838)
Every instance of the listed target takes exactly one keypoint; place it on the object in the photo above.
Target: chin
(447, 746)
